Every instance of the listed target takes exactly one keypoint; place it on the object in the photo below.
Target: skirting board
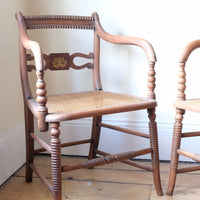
(12, 151)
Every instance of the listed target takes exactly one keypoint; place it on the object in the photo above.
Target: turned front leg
(155, 151)
(56, 161)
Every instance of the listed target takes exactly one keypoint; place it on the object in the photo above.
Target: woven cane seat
(93, 103)
(189, 104)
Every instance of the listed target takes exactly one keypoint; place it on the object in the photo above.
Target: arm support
(188, 50)
(40, 84)
(145, 45)
(182, 62)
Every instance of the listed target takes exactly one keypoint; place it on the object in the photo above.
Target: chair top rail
(59, 21)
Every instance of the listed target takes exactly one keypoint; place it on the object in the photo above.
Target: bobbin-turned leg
(95, 136)
(155, 152)
(175, 146)
(29, 128)
(56, 160)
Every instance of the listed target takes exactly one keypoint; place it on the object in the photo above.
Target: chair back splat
(50, 110)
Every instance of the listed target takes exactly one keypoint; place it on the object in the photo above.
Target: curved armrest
(145, 45)
(190, 47)
(29, 44)
(40, 84)
(188, 50)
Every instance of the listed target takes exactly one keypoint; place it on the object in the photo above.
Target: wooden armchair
(182, 104)
(51, 110)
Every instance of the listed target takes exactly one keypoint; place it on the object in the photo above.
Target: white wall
(168, 25)
(12, 154)
(11, 102)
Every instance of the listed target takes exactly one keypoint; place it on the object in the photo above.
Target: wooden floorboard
(113, 182)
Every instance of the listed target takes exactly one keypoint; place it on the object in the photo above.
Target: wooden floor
(111, 182)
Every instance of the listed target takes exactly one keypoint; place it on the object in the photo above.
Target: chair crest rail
(59, 21)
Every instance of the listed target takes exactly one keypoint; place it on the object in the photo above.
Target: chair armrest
(188, 50)
(145, 45)
(40, 84)
(27, 43)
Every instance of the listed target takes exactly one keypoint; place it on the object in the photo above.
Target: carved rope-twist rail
(151, 81)
(59, 17)
(59, 21)
(131, 162)
(181, 82)
(106, 160)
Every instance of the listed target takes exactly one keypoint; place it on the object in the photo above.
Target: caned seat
(50, 110)
(87, 104)
(182, 105)
(189, 104)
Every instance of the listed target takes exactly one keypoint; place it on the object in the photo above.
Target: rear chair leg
(155, 152)
(56, 160)
(95, 137)
(29, 127)
(175, 146)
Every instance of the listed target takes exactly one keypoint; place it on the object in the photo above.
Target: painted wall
(12, 154)
(168, 25)
(11, 101)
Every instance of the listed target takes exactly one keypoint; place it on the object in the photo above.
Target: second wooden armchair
(183, 105)
(51, 110)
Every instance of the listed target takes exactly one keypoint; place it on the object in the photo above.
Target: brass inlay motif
(59, 62)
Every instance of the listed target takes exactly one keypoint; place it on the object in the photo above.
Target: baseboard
(12, 151)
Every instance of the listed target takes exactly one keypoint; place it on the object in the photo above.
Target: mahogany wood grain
(97, 102)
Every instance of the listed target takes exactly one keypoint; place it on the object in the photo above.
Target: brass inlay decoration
(59, 62)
